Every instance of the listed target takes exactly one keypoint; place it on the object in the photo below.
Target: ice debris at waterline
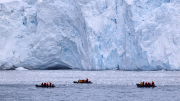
(21, 68)
(90, 34)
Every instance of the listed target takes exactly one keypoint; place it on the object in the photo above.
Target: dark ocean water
(107, 86)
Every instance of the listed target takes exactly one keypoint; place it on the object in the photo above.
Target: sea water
(106, 85)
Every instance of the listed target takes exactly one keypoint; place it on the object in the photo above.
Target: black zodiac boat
(45, 86)
(138, 85)
(89, 82)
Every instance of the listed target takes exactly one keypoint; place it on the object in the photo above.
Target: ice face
(90, 34)
(4, 1)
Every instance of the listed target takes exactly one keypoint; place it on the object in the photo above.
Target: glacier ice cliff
(90, 34)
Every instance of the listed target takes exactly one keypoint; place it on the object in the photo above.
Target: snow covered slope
(90, 34)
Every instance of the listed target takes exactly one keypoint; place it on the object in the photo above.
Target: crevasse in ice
(90, 34)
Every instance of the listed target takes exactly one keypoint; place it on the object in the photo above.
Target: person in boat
(86, 80)
(47, 84)
(153, 83)
(44, 84)
(141, 83)
(50, 83)
(41, 84)
(146, 83)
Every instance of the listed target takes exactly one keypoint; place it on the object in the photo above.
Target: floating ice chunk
(21, 68)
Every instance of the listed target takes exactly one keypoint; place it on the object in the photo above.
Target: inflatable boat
(45, 86)
(138, 85)
(89, 82)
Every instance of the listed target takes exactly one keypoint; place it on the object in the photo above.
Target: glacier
(90, 34)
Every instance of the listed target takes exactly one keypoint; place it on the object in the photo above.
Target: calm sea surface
(107, 85)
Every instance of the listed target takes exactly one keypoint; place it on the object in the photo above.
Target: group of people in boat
(46, 84)
(83, 80)
(147, 83)
(52, 85)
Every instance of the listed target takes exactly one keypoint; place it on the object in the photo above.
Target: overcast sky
(2, 1)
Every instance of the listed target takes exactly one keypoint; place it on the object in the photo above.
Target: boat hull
(89, 82)
(44, 86)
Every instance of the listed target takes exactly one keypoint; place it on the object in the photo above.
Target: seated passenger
(41, 84)
(141, 83)
(152, 82)
(86, 80)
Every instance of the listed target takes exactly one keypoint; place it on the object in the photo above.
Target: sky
(2, 1)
